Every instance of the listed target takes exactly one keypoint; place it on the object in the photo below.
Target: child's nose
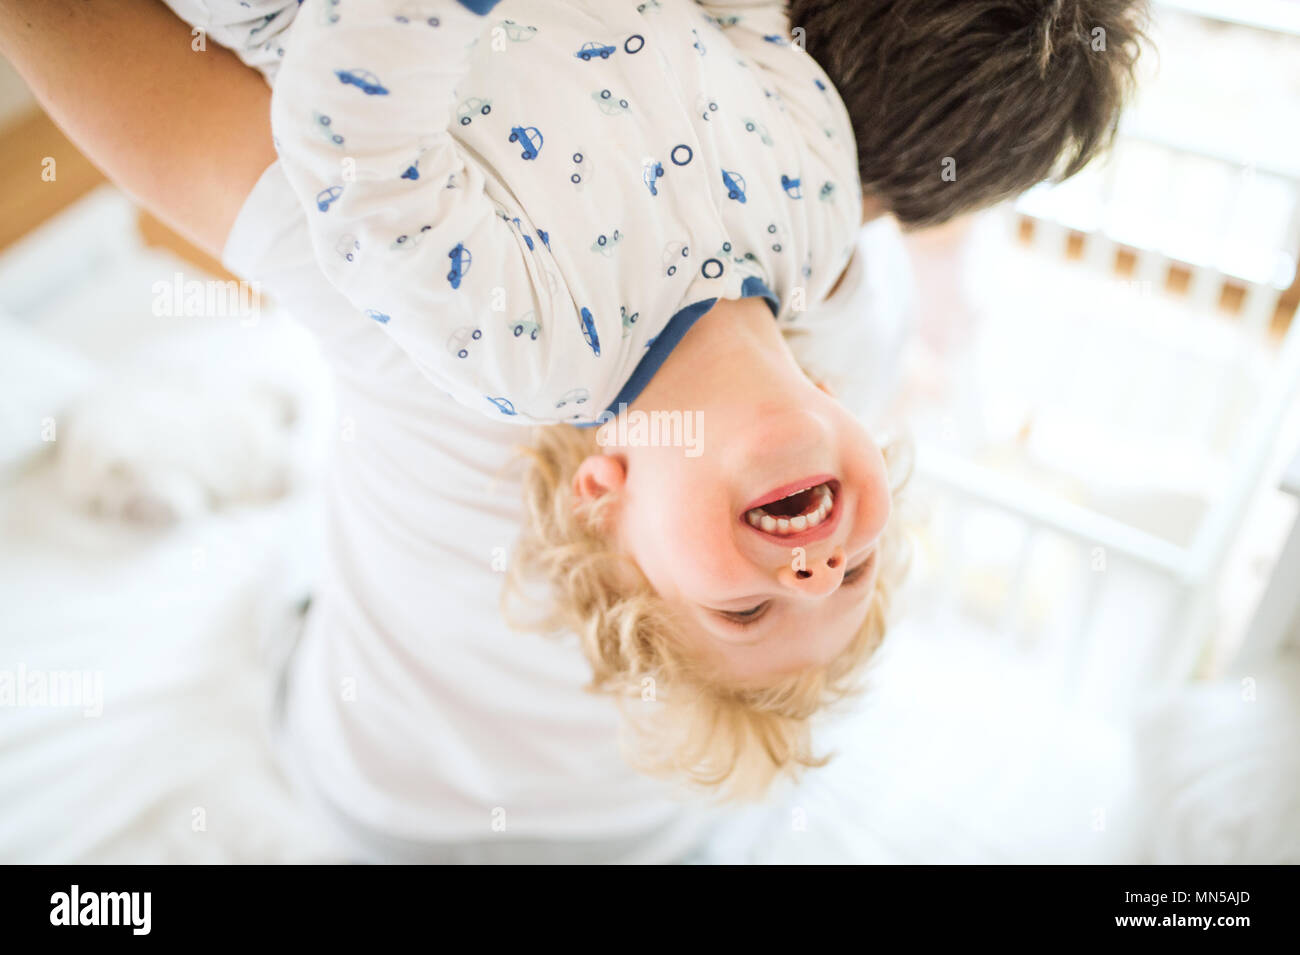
(814, 577)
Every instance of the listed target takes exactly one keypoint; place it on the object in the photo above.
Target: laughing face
(764, 543)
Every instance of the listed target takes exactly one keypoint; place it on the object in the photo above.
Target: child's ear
(598, 475)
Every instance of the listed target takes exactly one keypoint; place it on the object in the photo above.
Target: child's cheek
(874, 500)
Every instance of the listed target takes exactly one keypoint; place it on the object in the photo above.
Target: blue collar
(663, 344)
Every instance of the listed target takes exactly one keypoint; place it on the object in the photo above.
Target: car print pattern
(549, 152)
(591, 51)
(363, 80)
(525, 327)
(530, 138)
(461, 340)
(589, 331)
(460, 263)
(471, 108)
(417, 13)
(327, 197)
(610, 104)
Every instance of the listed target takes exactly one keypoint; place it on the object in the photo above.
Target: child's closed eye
(856, 574)
(747, 618)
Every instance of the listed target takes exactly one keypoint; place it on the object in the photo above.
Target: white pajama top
(537, 199)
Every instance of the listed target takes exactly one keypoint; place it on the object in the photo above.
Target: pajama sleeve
(761, 31)
(396, 209)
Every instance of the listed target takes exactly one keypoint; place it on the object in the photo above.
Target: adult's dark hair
(958, 104)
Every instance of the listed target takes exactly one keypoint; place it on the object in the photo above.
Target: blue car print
(363, 80)
(528, 239)
(326, 197)
(574, 396)
(734, 183)
(589, 331)
(459, 342)
(651, 174)
(378, 316)
(628, 320)
(504, 405)
(460, 262)
(322, 125)
(531, 139)
(791, 187)
(591, 50)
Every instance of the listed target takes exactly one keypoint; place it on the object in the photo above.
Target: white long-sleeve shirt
(537, 204)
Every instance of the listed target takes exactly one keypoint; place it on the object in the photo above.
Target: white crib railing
(1277, 616)
(1099, 207)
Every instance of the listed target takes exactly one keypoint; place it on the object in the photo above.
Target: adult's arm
(187, 133)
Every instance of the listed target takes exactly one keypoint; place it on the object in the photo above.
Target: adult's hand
(186, 132)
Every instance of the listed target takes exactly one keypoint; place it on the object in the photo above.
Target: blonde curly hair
(731, 740)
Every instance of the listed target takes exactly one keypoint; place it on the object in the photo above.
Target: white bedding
(962, 755)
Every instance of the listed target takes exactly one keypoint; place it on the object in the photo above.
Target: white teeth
(760, 518)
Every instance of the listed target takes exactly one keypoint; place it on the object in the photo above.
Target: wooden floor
(28, 198)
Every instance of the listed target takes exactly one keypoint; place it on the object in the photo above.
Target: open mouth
(797, 511)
